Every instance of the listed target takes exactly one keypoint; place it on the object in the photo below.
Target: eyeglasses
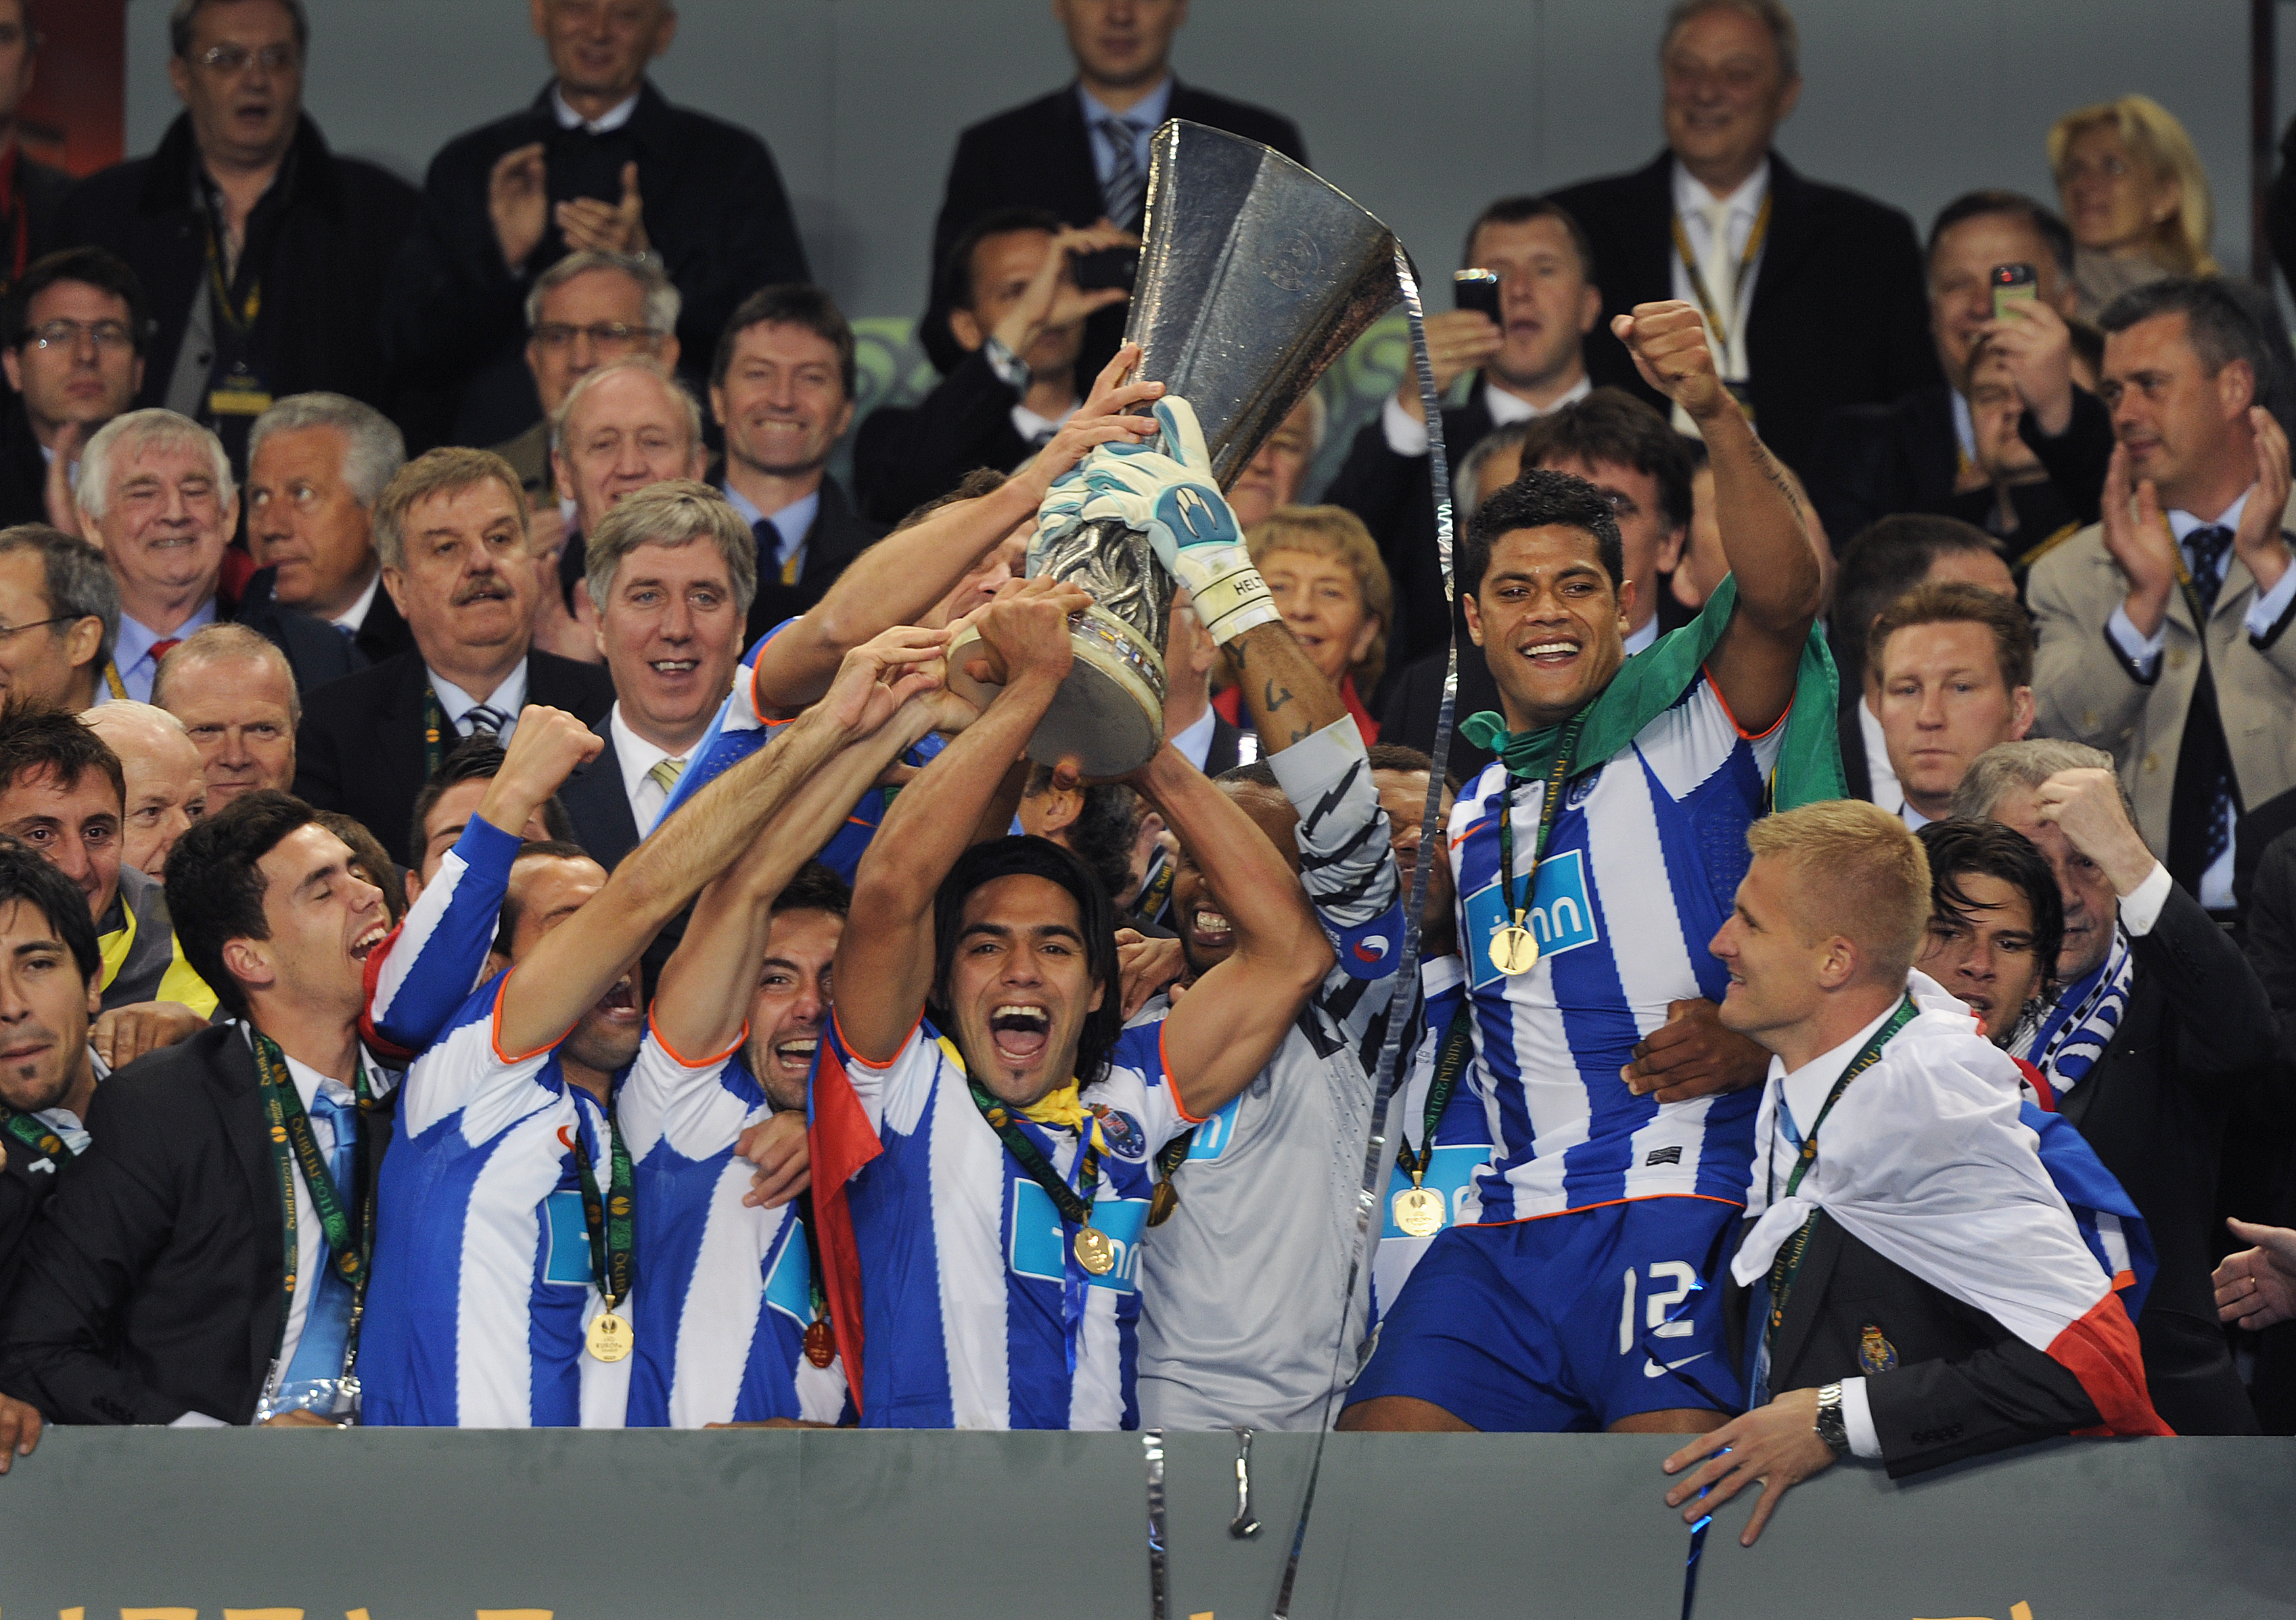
(9, 632)
(231, 59)
(605, 335)
(61, 333)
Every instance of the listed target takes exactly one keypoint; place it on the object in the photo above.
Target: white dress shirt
(354, 617)
(1406, 435)
(636, 757)
(613, 118)
(508, 699)
(1146, 115)
(1195, 740)
(1692, 204)
(1887, 790)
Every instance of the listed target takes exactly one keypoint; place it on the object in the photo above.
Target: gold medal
(1419, 1211)
(610, 1337)
(1162, 1202)
(1095, 1251)
(1514, 951)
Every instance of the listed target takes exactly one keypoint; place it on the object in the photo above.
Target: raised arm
(1763, 535)
(1287, 695)
(572, 966)
(1225, 1029)
(703, 999)
(899, 579)
(430, 962)
(885, 960)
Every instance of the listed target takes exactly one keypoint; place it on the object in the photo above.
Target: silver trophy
(1254, 276)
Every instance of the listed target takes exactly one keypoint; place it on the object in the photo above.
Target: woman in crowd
(2135, 194)
(1323, 570)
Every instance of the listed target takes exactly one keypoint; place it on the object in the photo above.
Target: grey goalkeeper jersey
(1243, 1306)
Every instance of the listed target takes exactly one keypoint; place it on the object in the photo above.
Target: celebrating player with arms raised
(1593, 860)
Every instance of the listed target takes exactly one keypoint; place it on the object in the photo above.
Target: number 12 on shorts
(1659, 1303)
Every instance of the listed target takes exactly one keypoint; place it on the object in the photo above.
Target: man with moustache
(782, 387)
(451, 530)
(167, 781)
(2158, 1026)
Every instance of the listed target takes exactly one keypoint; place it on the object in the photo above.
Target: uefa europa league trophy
(1254, 276)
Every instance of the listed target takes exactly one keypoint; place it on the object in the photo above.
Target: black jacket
(2197, 1037)
(715, 211)
(599, 807)
(1943, 1379)
(27, 1182)
(152, 1284)
(1841, 313)
(23, 470)
(359, 749)
(1039, 155)
(322, 241)
(906, 455)
(1393, 495)
(43, 189)
(1870, 461)
(838, 535)
(316, 651)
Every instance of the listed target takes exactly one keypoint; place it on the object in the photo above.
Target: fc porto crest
(1875, 1353)
(1120, 1133)
(1582, 788)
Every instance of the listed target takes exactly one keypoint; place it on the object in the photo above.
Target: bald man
(167, 780)
(236, 694)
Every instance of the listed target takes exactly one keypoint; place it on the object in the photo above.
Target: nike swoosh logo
(1652, 1370)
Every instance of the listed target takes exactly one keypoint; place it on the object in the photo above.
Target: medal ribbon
(32, 1134)
(1698, 287)
(1074, 1207)
(239, 315)
(1788, 1264)
(1549, 805)
(1458, 1044)
(821, 1332)
(610, 1220)
(435, 731)
(292, 1145)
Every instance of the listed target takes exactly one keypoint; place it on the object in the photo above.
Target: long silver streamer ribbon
(1152, 1444)
(1405, 996)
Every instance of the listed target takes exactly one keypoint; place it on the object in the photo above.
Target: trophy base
(1108, 716)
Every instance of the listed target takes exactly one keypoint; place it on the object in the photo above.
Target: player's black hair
(985, 863)
(1960, 846)
(1540, 499)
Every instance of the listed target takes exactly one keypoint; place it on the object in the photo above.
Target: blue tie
(2208, 547)
(327, 1324)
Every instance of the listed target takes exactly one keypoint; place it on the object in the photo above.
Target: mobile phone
(2012, 283)
(1478, 290)
(1106, 267)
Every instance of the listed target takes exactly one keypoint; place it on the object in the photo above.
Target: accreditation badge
(240, 394)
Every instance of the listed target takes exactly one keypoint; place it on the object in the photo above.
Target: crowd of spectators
(290, 655)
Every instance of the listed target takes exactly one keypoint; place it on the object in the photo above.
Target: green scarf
(1651, 682)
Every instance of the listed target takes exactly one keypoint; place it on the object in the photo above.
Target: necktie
(163, 646)
(480, 718)
(1720, 274)
(664, 774)
(769, 553)
(2209, 547)
(1120, 191)
(326, 1325)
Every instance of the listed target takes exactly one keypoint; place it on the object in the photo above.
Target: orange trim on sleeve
(683, 1061)
(1179, 1102)
(864, 1062)
(494, 1029)
(1750, 736)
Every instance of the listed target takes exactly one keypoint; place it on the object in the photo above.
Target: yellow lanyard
(1745, 267)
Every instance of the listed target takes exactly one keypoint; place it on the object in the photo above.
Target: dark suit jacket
(598, 806)
(1039, 155)
(1962, 1385)
(43, 189)
(23, 470)
(1841, 314)
(316, 651)
(359, 749)
(715, 211)
(1870, 461)
(838, 534)
(323, 241)
(152, 1284)
(2197, 1037)
(1225, 750)
(906, 455)
(24, 1190)
(1393, 495)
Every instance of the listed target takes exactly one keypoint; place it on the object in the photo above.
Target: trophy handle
(1108, 716)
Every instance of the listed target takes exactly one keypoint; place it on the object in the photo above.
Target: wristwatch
(1832, 1426)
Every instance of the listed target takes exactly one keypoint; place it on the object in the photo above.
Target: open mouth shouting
(364, 946)
(1019, 1031)
(620, 1005)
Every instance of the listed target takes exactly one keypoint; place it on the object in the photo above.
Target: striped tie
(664, 774)
(1120, 191)
(480, 718)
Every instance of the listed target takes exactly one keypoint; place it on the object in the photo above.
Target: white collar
(1805, 1088)
(1691, 199)
(613, 118)
(1506, 408)
(354, 617)
(632, 752)
(309, 1082)
(1144, 115)
(1195, 740)
(2182, 522)
(509, 697)
(1638, 641)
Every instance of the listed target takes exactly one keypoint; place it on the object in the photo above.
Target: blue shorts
(1565, 1324)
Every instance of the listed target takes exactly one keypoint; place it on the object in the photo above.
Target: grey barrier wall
(424, 1524)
